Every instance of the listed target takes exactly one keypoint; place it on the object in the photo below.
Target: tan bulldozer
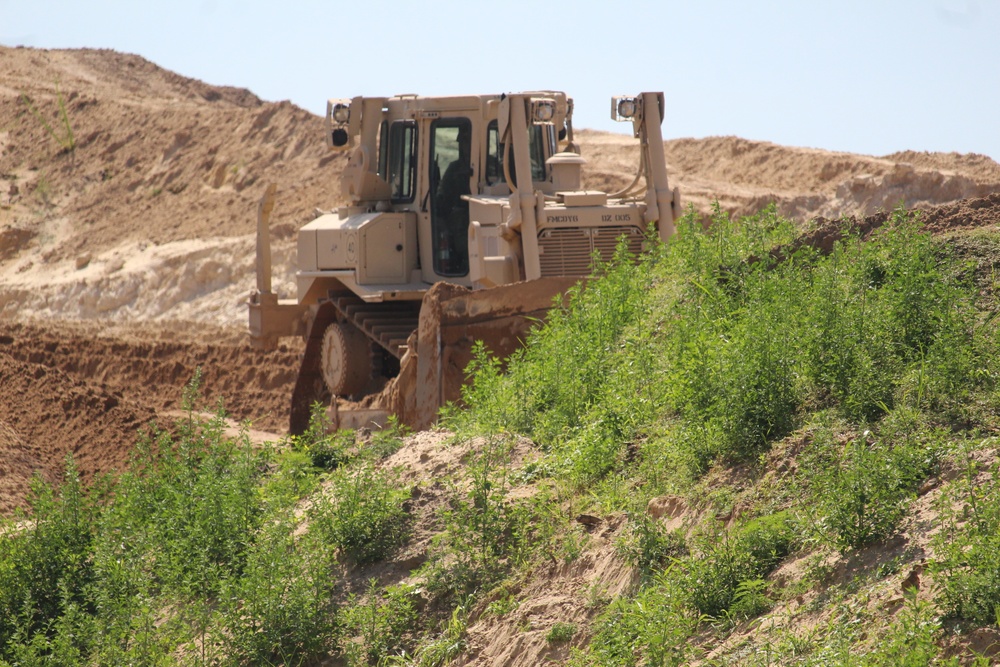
(465, 219)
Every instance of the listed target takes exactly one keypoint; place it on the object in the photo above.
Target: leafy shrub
(374, 628)
(385, 441)
(45, 564)
(862, 490)
(482, 529)
(362, 514)
(560, 632)
(969, 547)
(651, 629)
(720, 578)
(279, 611)
(188, 508)
(326, 450)
(648, 545)
(749, 600)
(713, 576)
(439, 651)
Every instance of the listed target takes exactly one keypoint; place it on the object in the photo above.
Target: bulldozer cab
(433, 155)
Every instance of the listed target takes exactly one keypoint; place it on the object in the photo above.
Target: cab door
(450, 172)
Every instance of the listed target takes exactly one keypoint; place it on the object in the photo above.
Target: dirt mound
(48, 415)
(154, 157)
(806, 183)
(152, 366)
(980, 212)
(83, 389)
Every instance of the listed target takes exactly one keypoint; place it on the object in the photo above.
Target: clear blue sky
(865, 76)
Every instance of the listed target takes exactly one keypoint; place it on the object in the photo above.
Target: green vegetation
(363, 515)
(196, 554)
(64, 135)
(797, 406)
(560, 632)
(878, 358)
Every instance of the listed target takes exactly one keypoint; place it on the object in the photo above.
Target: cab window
(538, 137)
(451, 171)
(383, 150)
(402, 160)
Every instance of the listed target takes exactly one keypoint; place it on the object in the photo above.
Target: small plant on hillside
(652, 628)
(362, 514)
(326, 450)
(45, 563)
(441, 650)
(374, 628)
(713, 574)
(749, 601)
(862, 489)
(483, 528)
(385, 441)
(280, 610)
(648, 546)
(560, 633)
(43, 190)
(64, 136)
(968, 563)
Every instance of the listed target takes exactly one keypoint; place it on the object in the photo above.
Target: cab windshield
(540, 138)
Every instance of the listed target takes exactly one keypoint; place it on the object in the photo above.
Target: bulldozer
(465, 220)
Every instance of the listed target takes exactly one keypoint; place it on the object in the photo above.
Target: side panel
(336, 239)
(388, 248)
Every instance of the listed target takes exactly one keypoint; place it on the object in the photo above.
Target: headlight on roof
(542, 110)
(624, 108)
(341, 113)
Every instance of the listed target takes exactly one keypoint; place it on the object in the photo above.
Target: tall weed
(362, 514)
(861, 489)
(968, 561)
(280, 609)
(45, 558)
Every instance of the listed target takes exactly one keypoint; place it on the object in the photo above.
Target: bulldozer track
(387, 323)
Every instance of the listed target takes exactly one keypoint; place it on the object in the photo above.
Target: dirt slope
(143, 230)
(48, 414)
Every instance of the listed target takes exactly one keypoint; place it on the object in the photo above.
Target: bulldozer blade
(452, 319)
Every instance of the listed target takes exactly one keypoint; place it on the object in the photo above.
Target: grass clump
(969, 547)
(861, 488)
(648, 546)
(378, 627)
(561, 633)
(280, 610)
(483, 531)
(362, 514)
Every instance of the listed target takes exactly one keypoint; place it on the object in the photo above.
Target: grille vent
(568, 251)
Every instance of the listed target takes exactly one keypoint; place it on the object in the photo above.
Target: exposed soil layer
(49, 414)
(152, 367)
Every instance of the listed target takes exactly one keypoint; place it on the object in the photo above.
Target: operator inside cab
(451, 151)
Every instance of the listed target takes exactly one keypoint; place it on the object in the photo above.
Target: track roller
(346, 360)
